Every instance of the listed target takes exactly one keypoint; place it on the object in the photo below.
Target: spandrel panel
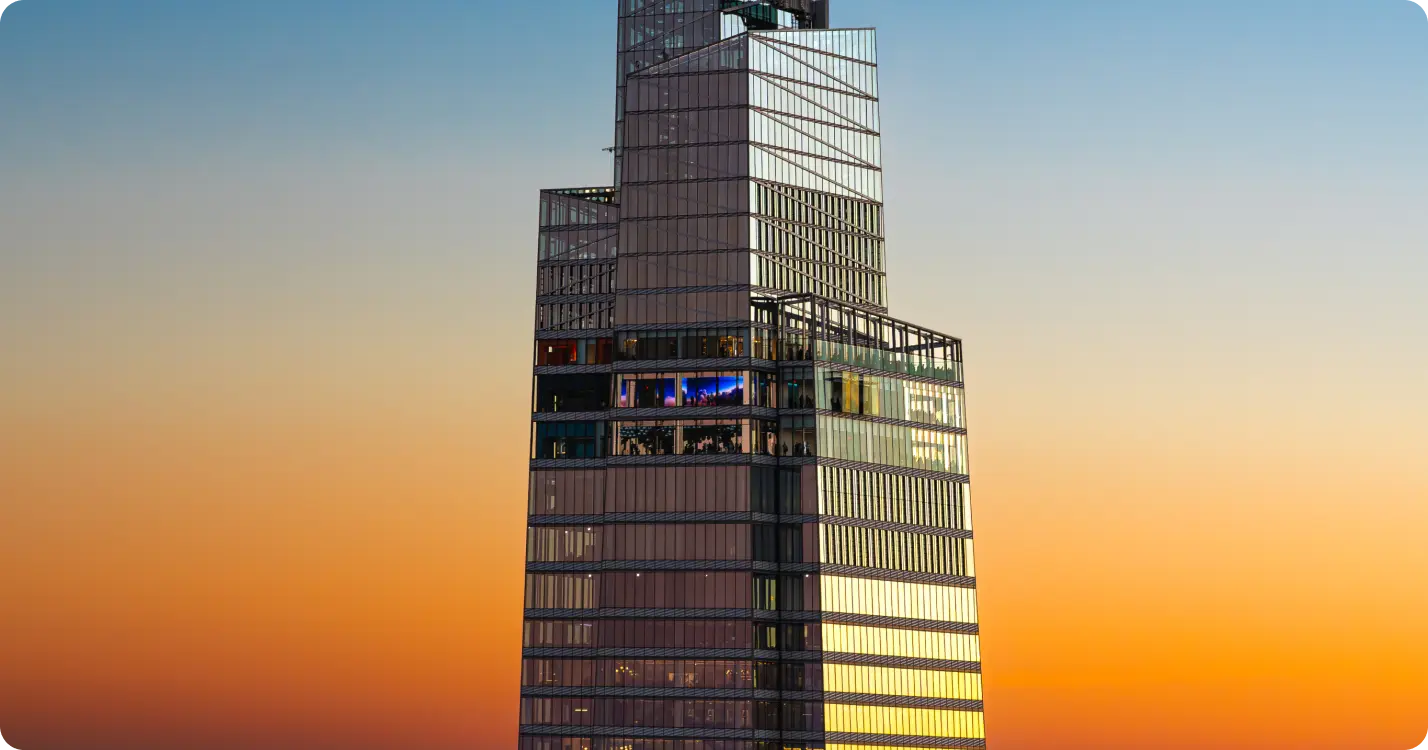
(567, 493)
(913, 644)
(859, 546)
(676, 590)
(703, 541)
(685, 270)
(692, 674)
(686, 163)
(686, 199)
(876, 496)
(671, 489)
(896, 720)
(561, 591)
(686, 307)
(686, 127)
(915, 601)
(917, 683)
(563, 544)
(559, 634)
(671, 235)
(664, 633)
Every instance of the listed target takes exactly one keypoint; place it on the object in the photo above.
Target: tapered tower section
(749, 520)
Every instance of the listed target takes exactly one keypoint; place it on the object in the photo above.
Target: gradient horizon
(265, 276)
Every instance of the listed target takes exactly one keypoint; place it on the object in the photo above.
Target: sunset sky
(266, 280)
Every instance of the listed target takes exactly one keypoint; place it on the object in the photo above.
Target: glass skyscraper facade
(749, 524)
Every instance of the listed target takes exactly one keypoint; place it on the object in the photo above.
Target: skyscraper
(749, 523)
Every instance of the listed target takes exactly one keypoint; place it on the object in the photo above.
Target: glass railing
(873, 359)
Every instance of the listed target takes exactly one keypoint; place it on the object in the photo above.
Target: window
(569, 440)
(646, 440)
(798, 436)
(726, 390)
(695, 437)
(798, 388)
(696, 389)
(557, 393)
(697, 344)
(556, 352)
(648, 391)
(703, 438)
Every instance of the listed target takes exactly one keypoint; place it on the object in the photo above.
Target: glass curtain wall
(749, 511)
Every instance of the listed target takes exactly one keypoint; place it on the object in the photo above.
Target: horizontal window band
(577, 263)
(841, 367)
(901, 740)
(645, 292)
(684, 413)
(901, 701)
(608, 226)
(838, 463)
(586, 520)
(576, 299)
(651, 147)
(658, 414)
(902, 662)
(571, 416)
(574, 369)
(732, 459)
(690, 327)
(760, 145)
(589, 333)
(722, 694)
(758, 615)
(679, 217)
(750, 143)
(904, 623)
(677, 517)
(628, 367)
(845, 229)
(848, 301)
(713, 654)
(892, 422)
(652, 732)
(539, 464)
(737, 459)
(668, 518)
(887, 574)
(846, 125)
(654, 566)
(670, 733)
(700, 180)
(746, 654)
(830, 520)
(755, 566)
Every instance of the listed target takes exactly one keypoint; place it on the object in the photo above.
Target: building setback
(749, 523)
